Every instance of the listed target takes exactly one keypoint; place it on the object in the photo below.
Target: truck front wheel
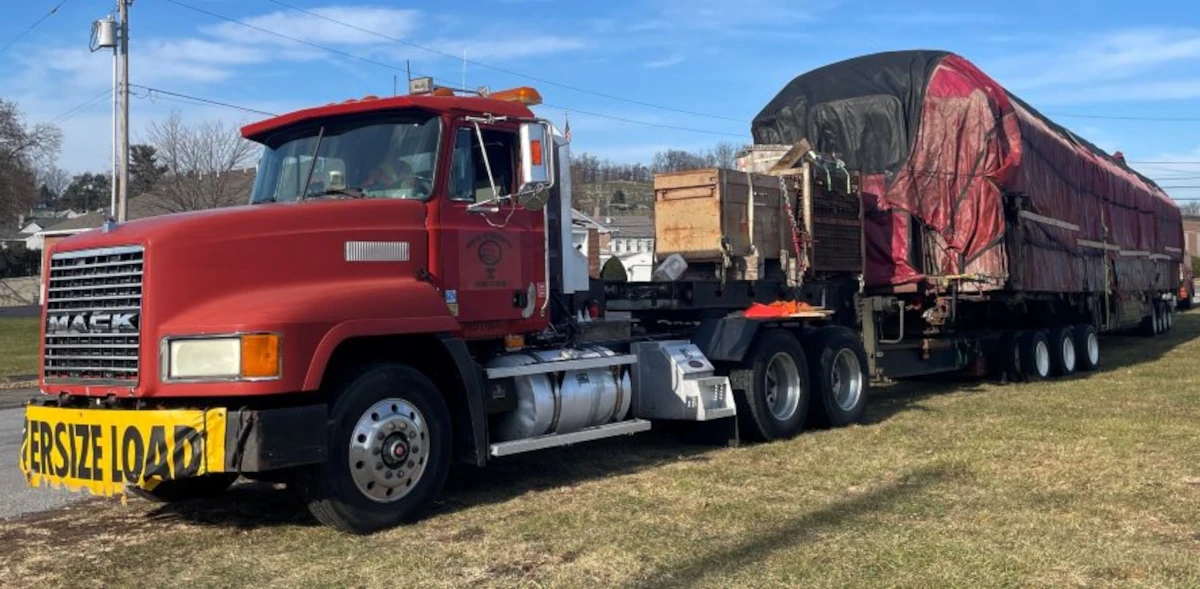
(772, 389)
(389, 451)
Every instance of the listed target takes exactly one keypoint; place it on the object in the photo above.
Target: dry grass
(1086, 481)
(18, 347)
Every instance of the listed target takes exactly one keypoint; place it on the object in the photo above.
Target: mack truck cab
(401, 292)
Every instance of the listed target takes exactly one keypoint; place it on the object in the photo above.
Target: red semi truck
(403, 293)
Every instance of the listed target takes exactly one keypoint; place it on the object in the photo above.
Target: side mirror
(537, 164)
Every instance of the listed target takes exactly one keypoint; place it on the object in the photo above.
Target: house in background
(1191, 236)
(150, 204)
(631, 242)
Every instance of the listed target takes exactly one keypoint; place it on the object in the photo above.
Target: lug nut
(391, 426)
(388, 475)
(378, 466)
(411, 464)
(416, 449)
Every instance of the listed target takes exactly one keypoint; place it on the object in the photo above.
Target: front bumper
(103, 450)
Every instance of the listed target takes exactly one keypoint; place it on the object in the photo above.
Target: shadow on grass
(798, 531)
(256, 505)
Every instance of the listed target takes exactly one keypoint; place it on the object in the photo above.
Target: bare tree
(52, 181)
(23, 150)
(200, 162)
(1190, 208)
(724, 154)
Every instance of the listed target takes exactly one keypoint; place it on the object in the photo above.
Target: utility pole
(104, 36)
(123, 142)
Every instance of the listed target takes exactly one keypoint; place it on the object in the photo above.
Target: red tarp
(1007, 195)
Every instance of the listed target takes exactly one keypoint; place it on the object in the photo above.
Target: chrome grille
(93, 315)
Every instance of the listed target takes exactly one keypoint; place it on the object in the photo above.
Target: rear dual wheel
(785, 383)
(839, 376)
(772, 387)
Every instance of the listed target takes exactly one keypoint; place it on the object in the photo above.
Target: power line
(396, 68)
(33, 26)
(150, 92)
(646, 123)
(1165, 163)
(505, 70)
(287, 37)
(81, 106)
(1179, 187)
(1124, 117)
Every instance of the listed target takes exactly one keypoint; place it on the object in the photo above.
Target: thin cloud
(666, 61)
(930, 18)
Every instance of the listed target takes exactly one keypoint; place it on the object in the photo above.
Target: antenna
(408, 69)
(395, 91)
(464, 77)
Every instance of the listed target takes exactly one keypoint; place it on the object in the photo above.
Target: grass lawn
(18, 347)
(1086, 481)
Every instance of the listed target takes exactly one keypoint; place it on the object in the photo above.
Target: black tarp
(866, 110)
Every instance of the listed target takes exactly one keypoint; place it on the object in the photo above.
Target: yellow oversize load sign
(102, 450)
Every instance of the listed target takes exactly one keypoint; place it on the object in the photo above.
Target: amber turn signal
(260, 355)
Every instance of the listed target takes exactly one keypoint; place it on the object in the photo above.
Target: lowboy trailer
(403, 293)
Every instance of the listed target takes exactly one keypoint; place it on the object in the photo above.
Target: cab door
(493, 262)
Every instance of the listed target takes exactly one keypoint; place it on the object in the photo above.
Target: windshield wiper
(350, 192)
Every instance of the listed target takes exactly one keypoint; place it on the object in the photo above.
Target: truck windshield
(376, 156)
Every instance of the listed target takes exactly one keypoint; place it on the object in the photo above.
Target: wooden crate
(695, 209)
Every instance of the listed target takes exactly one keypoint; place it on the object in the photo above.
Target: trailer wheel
(1064, 355)
(1010, 356)
(1149, 326)
(772, 389)
(1087, 347)
(201, 487)
(389, 451)
(1035, 355)
(839, 379)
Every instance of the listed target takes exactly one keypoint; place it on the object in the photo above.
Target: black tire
(1087, 347)
(762, 413)
(1064, 356)
(1035, 355)
(1149, 326)
(201, 487)
(834, 353)
(419, 411)
(1008, 356)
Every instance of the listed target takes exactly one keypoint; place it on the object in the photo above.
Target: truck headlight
(236, 357)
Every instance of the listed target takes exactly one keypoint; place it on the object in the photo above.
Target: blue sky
(712, 57)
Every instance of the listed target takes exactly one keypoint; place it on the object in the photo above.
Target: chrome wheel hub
(1068, 354)
(1042, 358)
(782, 386)
(388, 450)
(847, 379)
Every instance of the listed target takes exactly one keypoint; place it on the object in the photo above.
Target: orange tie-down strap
(778, 309)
